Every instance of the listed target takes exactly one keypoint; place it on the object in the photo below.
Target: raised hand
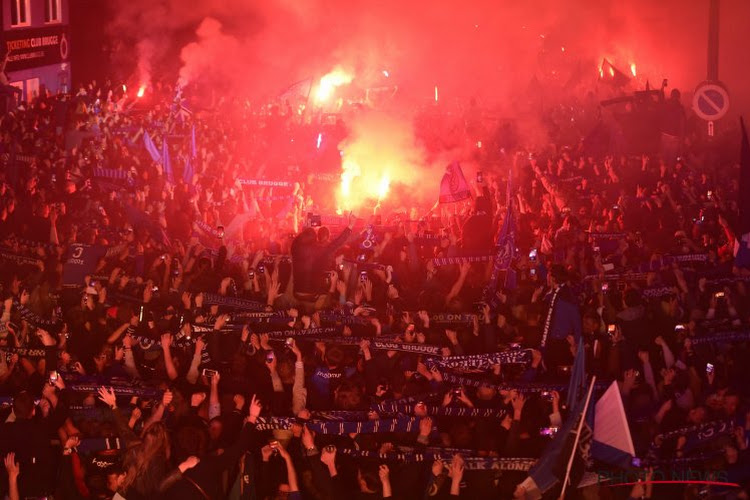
(254, 409)
(108, 397)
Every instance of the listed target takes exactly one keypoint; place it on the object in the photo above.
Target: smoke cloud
(505, 54)
(487, 49)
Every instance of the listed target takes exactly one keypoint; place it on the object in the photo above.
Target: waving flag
(454, 187)
(193, 146)
(166, 161)
(612, 442)
(505, 251)
(742, 246)
(552, 467)
(299, 91)
(151, 148)
(188, 171)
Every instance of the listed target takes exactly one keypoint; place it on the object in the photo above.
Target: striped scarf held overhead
(33, 318)
(442, 411)
(18, 259)
(310, 332)
(24, 352)
(264, 183)
(722, 337)
(111, 173)
(470, 462)
(232, 302)
(378, 344)
(388, 425)
(481, 361)
(467, 259)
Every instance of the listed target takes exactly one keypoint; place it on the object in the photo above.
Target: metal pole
(578, 436)
(713, 41)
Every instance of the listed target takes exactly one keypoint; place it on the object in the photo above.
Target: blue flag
(505, 252)
(550, 470)
(193, 146)
(188, 172)
(151, 148)
(167, 163)
(742, 245)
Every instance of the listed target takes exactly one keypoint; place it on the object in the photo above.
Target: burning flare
(632, 68)
(141, 91)
(330, 82)
(385, 183)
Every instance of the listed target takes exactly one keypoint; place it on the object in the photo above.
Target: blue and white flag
(742, 246)
(167, 162)
(612, 442)
(151, 148)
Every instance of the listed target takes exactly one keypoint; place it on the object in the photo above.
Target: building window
(20, 13)
(52, 11)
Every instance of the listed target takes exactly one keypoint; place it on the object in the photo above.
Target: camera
(209, 373)
(597, 249)
(456, 392)
(679, 328)
(220, 231)
(532, 271)
(514, 346)
(261, 268)
(709, 194)
(363, 276)
(719, 295)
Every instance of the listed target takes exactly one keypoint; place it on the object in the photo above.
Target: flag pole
(578, 436)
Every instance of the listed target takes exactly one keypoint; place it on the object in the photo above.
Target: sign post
(711, 99)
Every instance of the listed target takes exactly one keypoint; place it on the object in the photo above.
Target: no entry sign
(710, 101)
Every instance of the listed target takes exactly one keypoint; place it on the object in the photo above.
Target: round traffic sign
(710, 101)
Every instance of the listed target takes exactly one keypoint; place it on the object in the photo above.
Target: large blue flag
(167, 162)
(505, 252)
(742, 245)
(151, 148)
(549, 471)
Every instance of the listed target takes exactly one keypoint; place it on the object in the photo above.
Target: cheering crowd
(202, 327)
